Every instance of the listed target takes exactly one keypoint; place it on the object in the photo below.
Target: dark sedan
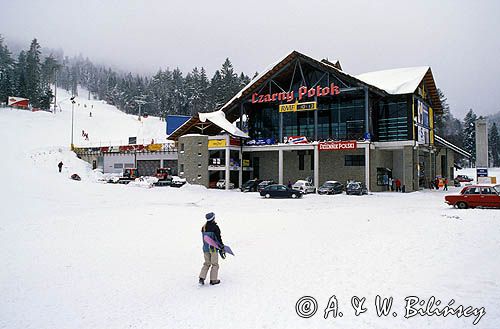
(356, 188)
(262, 185)
(280, 191)
(331, 187)
(250, 186)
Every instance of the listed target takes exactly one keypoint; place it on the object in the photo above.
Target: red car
(464, 179)
(476, 196)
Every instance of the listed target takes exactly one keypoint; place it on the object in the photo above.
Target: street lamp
(72, 99)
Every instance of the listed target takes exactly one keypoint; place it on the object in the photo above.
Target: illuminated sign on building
(303, 92)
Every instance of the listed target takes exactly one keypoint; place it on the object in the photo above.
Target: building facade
(308, 119)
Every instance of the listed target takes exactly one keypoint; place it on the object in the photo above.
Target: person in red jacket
(397, 182)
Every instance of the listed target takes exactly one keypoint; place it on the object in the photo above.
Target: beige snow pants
(211, 259)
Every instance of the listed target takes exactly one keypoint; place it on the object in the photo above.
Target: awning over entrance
(219, 118)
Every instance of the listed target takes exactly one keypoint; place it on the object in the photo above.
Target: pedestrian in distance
(210, 254)
(436, 183)
(445, 182)
(398, 185)
(60, 165)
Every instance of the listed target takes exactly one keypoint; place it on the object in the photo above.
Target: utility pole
(55, 91)
(140, 103)
(72, 119)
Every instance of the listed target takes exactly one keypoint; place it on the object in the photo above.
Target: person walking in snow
(210, 254)
(60, 165)
(398, 185)
(445, 182)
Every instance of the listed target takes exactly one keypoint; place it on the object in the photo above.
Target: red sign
(337, 146)
(18, 101)
(303, 92)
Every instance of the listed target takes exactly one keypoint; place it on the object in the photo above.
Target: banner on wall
(337, 146)
(216, 143)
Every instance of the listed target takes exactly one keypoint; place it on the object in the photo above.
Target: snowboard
(216, 245)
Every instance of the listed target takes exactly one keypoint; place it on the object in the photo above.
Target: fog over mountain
(458, 39)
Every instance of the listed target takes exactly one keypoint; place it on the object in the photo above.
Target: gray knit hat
(210, 216)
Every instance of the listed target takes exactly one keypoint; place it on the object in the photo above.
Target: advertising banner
(297, 107)
(338, 146)
(297, 140)
(216, 143)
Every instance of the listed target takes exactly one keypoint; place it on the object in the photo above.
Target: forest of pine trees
(168, 91)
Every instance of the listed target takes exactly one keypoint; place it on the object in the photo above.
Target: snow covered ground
(91, 255)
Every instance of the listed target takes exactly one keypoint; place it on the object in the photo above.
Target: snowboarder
(398, 185)
(210, 253)
(90, 114)
(60, 165)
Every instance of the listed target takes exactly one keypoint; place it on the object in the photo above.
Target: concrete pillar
(481, 144)
(280, 166)
(316, 167)
(227, 167)
(240, 174)
(367, 166)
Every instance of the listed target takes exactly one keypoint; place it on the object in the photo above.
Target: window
(472, 190)
(199, 176)
(312, 161)
(182, 168)
(487, 190)
(118, 166)
(199, 165)
(129, 165)
(354, 160)
(281, 188)
(182, 147)
(301, 161)
(199, 154)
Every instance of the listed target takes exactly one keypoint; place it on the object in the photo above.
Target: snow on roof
(219, 119)
(396, 81)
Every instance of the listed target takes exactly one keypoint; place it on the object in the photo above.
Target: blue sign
(367, 136)
(482, 172)
(261, 141)
(175, 121)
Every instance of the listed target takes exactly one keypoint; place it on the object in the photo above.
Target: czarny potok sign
(303, 92)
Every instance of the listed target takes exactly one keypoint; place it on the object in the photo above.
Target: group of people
(434, 184)
(394, 184)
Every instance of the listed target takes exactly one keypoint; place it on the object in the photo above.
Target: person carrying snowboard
(210, 253)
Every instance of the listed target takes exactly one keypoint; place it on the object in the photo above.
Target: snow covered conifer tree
(469, 138)
(494, 146)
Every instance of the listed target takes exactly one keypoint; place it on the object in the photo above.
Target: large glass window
(392, 123)
(264, 123)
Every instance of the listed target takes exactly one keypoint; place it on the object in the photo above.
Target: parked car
(331, 187)
(464, 178)
(250, 185)
(177, 181)
(280, 191)
(262, 185)
(475, 196)
(456, 183)
(356, 188)
(304, 187)
(222, 184)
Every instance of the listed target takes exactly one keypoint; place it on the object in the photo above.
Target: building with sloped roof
(303, 118)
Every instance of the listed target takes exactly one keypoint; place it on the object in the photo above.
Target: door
(489, 197)
(472, 196)
(282, 191)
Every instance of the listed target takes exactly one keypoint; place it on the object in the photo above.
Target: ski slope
(92, 255)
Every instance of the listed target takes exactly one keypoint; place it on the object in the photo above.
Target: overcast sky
(458, 39)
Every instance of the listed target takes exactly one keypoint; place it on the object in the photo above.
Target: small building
(304, 118)
(146, 158)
